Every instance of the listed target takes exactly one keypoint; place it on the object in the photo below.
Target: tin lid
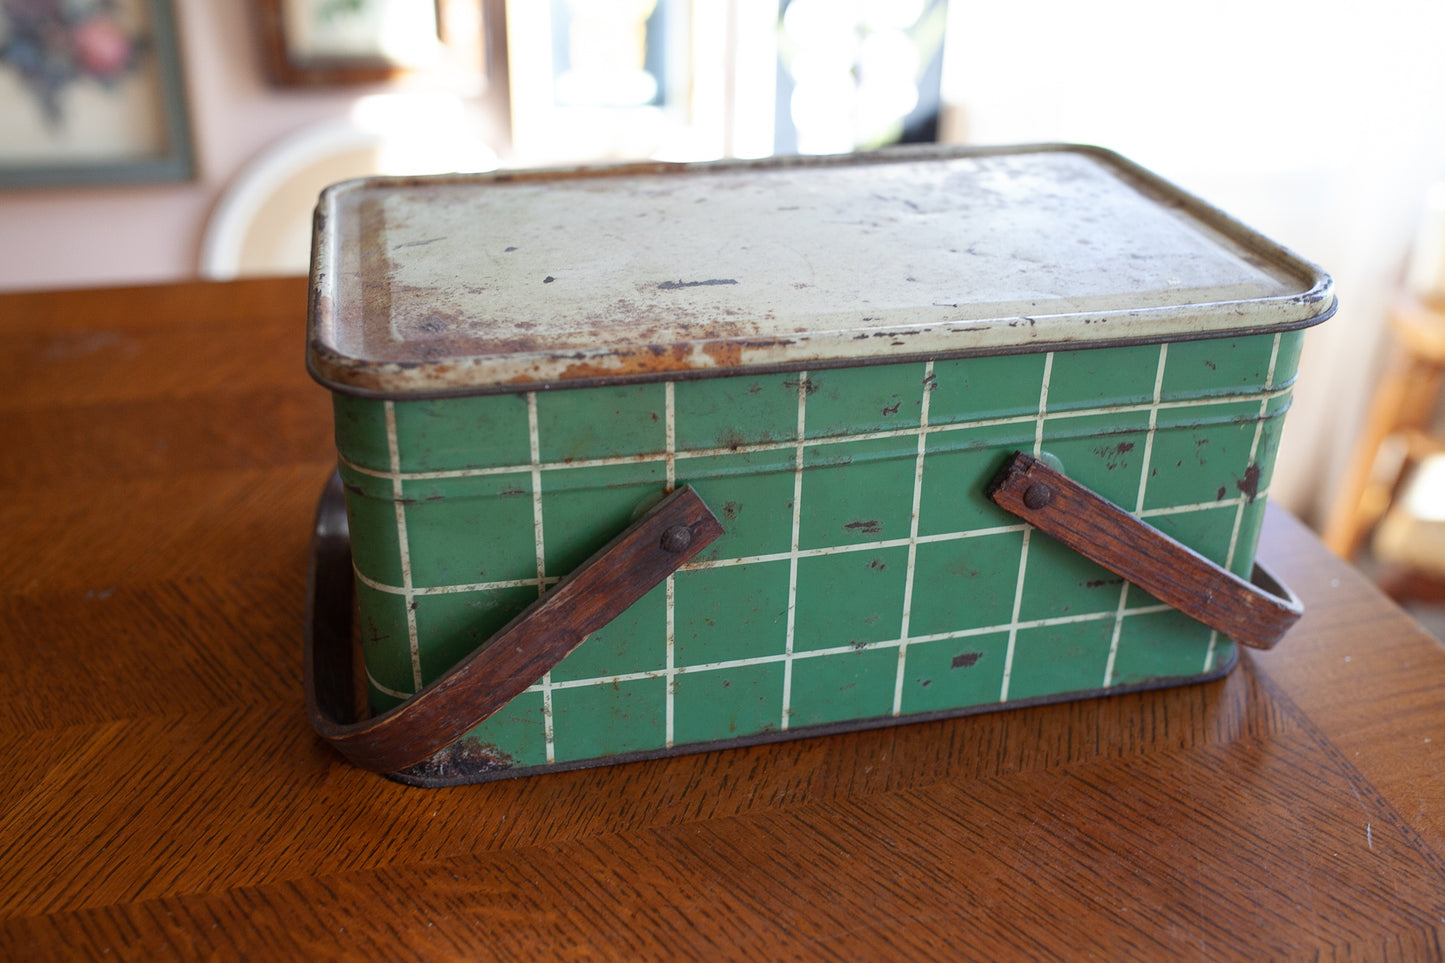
(524, 280)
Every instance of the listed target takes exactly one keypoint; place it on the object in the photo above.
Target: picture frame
(347, 42)
(91, 93)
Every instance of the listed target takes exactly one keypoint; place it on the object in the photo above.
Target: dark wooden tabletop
(166, 798)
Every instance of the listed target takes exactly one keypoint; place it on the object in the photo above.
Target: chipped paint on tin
(523, 280)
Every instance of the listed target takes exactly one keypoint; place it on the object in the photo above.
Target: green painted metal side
(863, 574)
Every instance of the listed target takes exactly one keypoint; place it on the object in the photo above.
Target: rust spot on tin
(870, 527)
(1249, 484)
(731, 439)
(877, 565)
(1113, 454)
(1101, 582)
(469, 757)
(1219, 495)
(548, 279)
(809, 386)
(710, 282)
(965, 660)
(373, 633)
(649, 360)
(892, 409)
(730, 510)
(727, 354)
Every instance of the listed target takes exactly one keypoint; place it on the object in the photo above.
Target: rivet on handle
(1038, 496)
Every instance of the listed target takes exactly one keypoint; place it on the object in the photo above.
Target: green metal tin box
(833, 355)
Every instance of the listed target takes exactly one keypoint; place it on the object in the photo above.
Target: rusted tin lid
(524, 280)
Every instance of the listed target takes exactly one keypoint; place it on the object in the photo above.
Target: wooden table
(166, 798)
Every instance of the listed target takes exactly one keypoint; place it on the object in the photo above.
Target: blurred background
(149, 141)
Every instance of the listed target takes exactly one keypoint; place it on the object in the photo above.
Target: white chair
(262, 223)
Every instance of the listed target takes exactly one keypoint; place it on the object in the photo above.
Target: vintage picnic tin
(837, 355)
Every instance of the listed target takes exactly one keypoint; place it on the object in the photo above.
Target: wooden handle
(1173, 573)
(519, 654)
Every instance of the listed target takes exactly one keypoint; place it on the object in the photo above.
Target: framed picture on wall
(91, 93)
(334, 42)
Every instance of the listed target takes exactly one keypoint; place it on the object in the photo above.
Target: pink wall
(76, 237)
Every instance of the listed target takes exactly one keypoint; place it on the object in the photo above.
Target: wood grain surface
(166, 798)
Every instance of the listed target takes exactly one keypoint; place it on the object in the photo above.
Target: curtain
(1321, 124)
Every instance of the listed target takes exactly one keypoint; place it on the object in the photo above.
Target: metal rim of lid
(522, 370)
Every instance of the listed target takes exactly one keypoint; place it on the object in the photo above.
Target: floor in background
(1432, 617)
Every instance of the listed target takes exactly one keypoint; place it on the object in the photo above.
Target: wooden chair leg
(1405, 398)
(1404, 586)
